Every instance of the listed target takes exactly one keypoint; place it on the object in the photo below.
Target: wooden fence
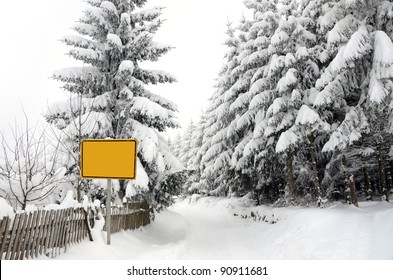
(51, 232)
(133, 216)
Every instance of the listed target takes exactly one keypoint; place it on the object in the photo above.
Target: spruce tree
(216, 150)
(193, 183)
(109, 91)
(351, 89)
(186, 151)
(248, 113)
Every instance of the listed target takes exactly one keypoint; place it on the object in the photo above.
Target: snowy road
(209, 230)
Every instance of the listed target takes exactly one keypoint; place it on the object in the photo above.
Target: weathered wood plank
(77, 226)
(60, 240)
(80, 225)
(18, 237)
(26, 236)
(57, 232)
(83, 225)
(23, 242)
(67, 228)
(56, 228)
(60, 232)
(51, 233)
(77, 217)
(4, 235)
(44, 236)
(76, 221)
(71, 227)
(15, 226)
(34, 249)
(75, 237)
(30, 234)
(42, 232)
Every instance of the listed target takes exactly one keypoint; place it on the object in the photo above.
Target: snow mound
(5, 209)
(69, 201)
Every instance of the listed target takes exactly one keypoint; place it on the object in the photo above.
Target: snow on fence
(51, 232)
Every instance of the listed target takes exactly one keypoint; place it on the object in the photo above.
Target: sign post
(108, 159)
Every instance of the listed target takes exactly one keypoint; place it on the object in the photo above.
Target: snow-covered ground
(213, 228)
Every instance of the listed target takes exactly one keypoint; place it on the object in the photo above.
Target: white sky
(30, 51)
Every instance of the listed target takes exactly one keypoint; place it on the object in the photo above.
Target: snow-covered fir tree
(176, 145)
(186, 150)
(193, 183)
(216, 150)
(305, 89)
(349, 90)
(108, 95)
(191, 156)
(256, 57)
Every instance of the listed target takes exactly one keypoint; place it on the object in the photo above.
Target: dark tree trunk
(382, 174)
(350, 187)
(369, 191)
(315, 171)
(291, 181)
(354, 197)
(389, 182)
(275, 192)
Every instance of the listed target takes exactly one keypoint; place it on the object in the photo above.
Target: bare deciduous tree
(29, 169)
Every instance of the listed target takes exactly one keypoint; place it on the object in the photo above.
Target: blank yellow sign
(108, 159)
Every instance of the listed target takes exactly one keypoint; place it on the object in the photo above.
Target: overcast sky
(30, 51)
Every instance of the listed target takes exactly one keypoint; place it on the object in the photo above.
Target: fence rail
(51, 232)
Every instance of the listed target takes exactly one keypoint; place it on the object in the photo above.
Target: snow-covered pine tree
(239, 177)
(255, 103)
(338, 90)
(349, 92)
(307, 131)
(291, 70)
(193, 183)
(256, 57)
(115, 37)
(175, 145)
(216, 149)
(186, 152)
(284, 81)
(380, 98)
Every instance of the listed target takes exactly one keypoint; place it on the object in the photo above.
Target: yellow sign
(108, 159)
